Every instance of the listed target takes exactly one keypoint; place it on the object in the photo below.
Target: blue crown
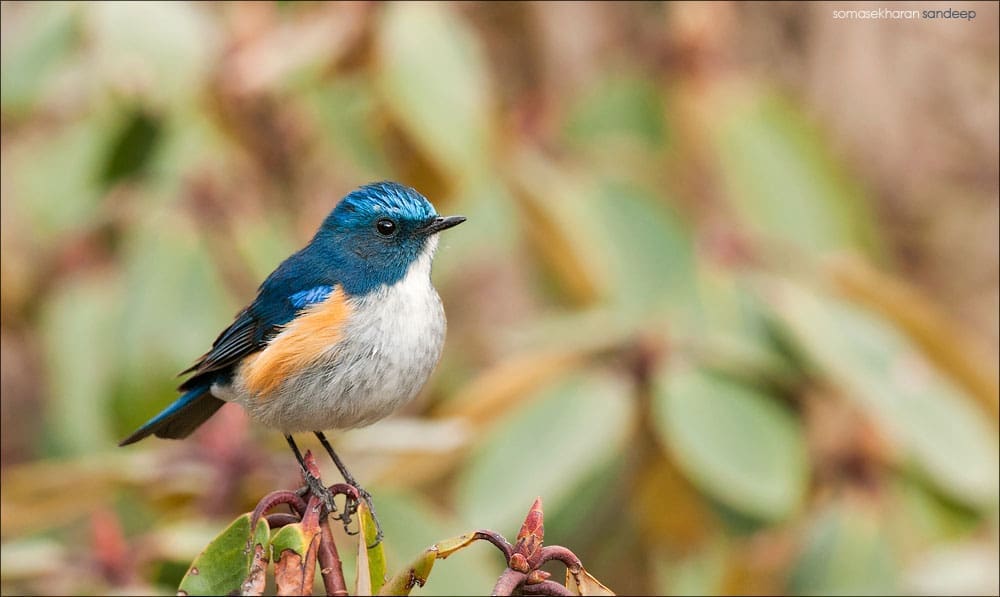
(382, 198)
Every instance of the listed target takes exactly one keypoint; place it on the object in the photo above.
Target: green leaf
(371, 555)
(80, 354)
(346, 110)
(411, 523)
(433, 77)
(416, 574)
(54, 187)
(619, 107)
(733, 331)
(226, 562)
(937, 425)
(131, 147)
(784, 182)
(647, 249)
(290, 536)
(175, 305)
(735, 443)
(923, 516)
(32, 48)
(846, 553)
(413, 575)
(169, 45)
(485, 202)
(294, 550)
(700, 573)
(571, 429)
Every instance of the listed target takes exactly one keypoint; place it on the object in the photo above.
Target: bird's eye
(385, 227)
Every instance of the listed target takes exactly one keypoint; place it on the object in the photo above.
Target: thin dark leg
(336, 459)
(313, 484)
(367, 497)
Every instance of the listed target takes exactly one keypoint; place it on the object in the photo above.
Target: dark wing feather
(247, 334)
(234, 343)
(252, 329)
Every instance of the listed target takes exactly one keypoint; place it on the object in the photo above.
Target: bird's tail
(180, 418)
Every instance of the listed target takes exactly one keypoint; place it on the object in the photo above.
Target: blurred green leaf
(44, 36)
(736, 443)
(494, 236)
(173, 291)
(165, 48)
(784, 181)
(346, 110)
(53, 178)
(966, 568)
(433, 77)
(935, 423)
(32, 557)
(846, 553)
(596, 496)
(647, 249)
(619, 107)
(192, 145)
(78, 329)
(225, 564)
(922, 516)
(262, 243)
(131, 146)
(700, 573)
(576, 426)
(559, 233)
(733, 332)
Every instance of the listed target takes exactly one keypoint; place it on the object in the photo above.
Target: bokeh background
(727, 298)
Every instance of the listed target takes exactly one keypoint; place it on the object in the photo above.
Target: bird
(339, 335)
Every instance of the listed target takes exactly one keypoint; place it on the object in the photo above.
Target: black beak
(438, 224)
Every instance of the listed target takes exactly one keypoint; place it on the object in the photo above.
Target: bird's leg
(313, 484)
(349, 478)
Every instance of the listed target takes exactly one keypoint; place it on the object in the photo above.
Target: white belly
(386, 353)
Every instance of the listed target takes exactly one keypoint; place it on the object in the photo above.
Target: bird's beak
(438, 224)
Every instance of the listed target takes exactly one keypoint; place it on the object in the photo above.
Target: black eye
(385, 227)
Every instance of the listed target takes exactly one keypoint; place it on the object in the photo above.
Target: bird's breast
(379, 357)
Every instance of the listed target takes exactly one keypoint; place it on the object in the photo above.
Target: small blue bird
(341, 334)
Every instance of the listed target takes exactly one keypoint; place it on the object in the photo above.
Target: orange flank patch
(300, 343)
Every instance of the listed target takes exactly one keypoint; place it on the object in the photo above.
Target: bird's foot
(351, 508)
(315, 487)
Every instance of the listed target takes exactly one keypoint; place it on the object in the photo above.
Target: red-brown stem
(508, 581)
(276, 498)
(329, 563)
(558, 552)
(343, 488)
(546, 587)
(280, 519)
(498, 540)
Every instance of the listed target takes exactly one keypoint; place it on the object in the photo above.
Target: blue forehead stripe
(312, 296)
(388, 198)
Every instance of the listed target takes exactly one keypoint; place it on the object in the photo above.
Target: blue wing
(314, 295)
(293, 286)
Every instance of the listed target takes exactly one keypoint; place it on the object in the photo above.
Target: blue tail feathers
(181, 418)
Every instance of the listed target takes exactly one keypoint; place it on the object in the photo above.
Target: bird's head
(379, 230)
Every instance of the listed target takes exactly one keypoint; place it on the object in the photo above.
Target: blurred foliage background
(727, 298)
